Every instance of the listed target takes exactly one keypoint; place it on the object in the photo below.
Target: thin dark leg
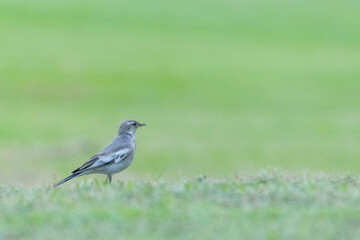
(109, 178)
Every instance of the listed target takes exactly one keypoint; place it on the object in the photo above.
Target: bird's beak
(140, 124)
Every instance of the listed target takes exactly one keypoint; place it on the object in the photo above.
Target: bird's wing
(104, 158)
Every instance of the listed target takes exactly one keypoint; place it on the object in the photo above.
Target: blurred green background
(225, 87)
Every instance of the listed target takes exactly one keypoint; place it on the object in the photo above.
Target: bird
(114, 157)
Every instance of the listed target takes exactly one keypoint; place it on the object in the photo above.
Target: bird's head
(129, 126)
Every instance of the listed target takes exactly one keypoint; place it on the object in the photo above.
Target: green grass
(268, 206)
(225, 87)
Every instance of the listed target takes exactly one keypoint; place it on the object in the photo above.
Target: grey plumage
(114, 157)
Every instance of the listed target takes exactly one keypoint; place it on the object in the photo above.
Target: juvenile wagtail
(114, 157)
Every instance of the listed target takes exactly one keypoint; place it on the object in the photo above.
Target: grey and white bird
(114, 157)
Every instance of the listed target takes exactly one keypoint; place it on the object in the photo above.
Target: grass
(266, 206)
(226, 88)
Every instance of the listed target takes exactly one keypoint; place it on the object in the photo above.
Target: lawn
(266, 206)
(226, 88)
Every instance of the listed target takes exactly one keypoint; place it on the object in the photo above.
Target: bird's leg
(109, 178)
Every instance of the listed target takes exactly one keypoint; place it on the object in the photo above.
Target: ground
(266, 206)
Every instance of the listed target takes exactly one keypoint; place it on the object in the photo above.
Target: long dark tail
(66, 179)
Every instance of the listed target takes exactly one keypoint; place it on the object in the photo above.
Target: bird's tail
(66, 179)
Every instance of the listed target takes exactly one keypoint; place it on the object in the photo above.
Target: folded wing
(103, 158)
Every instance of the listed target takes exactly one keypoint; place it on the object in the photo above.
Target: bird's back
(118, 143)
